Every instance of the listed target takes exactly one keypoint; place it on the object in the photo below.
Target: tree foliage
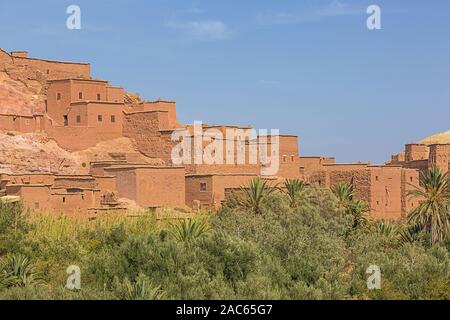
(319, 249)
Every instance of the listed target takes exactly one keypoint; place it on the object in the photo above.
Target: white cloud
(334, 8)
(338, 8)
(207, 30)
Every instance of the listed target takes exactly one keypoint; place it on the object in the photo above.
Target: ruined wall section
(440, 156)
(144, 128)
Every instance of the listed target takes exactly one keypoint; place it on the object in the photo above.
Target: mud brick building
(61, 102)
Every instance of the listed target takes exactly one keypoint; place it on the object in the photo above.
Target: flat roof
(78, 79)
(83, 177)
(156, 101)
(221, 174)
(107, 162)
(52, 61)
(142, 166)
(28, 174)
(385, 166)
(97, 102)
(31, 185)
(347, 164)
(315, 157)
(144, 111)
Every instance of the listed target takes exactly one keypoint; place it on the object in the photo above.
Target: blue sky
(309, 68)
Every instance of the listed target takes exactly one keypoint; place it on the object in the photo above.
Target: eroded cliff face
(20, 95)
(28, 153)
(23, 92)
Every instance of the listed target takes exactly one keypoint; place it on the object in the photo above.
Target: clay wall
(58, 101)
(125, 181)
(34, 196)
(356, 174)
(74, 182)
(169, 107)
(74, 202)
(27, 179)
(210, 189)
(115, 94)
(144, 129)
(97, 168)
(415, 152)
(223, 182)
(55, 69)
(410, 181)
(199, 188)
(149, 186)
(23, 124)
(160, 187)
(106, 183)
(386, 192)
(72, 138)
(440, 156)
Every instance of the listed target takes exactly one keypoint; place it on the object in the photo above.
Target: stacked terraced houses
(79, 112)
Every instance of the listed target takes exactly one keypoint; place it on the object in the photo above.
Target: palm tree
(344, 194)
(387, 229)
(433, 212)
(295, 190)
(359, 210)
(189, 229)
(19, 272)
(141, 289)
(254, 195)
(410, 234)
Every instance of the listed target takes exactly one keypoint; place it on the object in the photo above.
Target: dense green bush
(310, 250)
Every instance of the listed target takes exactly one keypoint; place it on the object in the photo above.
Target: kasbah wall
(78, 112)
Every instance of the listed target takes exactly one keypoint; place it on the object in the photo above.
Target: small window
(78, 118)
(411, 178)
(284, 158)
(203, 186)
(64, 199)
(58, 96)
(113, 118)
(80, 95)
(66, 121)
(99, 97)
(48, 71)
(100, 118)
(376, 178)
(292, 158)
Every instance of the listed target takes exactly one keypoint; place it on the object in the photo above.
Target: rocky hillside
(440, 138)
(25, 153)
(20, 94)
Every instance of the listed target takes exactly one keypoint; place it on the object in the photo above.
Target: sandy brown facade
(423, 156)
(79, 112)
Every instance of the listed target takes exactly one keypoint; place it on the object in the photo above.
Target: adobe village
(70, 143)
